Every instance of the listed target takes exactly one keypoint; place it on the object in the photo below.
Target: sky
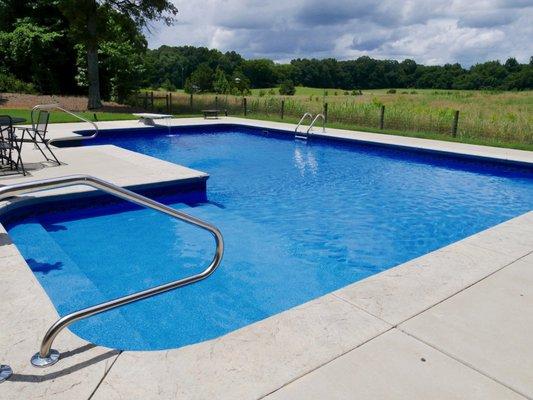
(428, 31)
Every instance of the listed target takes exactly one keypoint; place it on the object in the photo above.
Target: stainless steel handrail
(314, 120)
(58, 107)
(301, 120)
(47, 356)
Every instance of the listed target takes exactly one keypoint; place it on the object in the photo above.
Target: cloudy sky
(429, 31)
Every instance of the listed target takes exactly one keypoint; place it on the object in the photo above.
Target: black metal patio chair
(37, 134)
(10, 145)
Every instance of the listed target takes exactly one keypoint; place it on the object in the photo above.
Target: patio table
(15, 120)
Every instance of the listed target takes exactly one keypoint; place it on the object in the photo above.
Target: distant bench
(213, 113)
(148, 119)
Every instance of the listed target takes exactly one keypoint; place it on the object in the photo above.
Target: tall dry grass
(498, 117)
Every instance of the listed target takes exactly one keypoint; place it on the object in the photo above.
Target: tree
(287, 88)
(261, 73)
(88, 24)
(201, 80)
(220, 82)
(240, 84)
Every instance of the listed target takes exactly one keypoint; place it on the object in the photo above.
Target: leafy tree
(287, 88)
(261, 73)
(120, 59)
(88, 22)
(201, 80)
(220, 82)
(240, 84)
(26, 44)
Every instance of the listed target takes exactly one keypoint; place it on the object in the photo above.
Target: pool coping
(266, 356)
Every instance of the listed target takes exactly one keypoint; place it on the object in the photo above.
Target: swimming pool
(300, 219)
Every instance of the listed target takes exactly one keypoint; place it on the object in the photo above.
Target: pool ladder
(304, 136)
(48, 356)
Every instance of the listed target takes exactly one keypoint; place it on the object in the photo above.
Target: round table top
(15, 120)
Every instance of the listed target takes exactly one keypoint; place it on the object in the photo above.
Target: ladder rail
(313, 123)
(55, 106)
(302, 120)
(48, 356)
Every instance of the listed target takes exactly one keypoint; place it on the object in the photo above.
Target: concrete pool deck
(454, 323)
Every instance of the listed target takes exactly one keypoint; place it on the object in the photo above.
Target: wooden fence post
(145, 102)
(216, 102)
(325, 113)
(170, 103)
(167, 103)
(455, 122)
(282, 108)
(152, 100)
(381, 117)
(244, 105)
(190, 101)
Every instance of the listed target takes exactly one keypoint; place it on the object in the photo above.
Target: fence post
(381, 117)
(216, 102)
(190, 101)
(152, 101)
(455, 122)
(145, 104)
(244, 105)
(170, 103)
(325, 113)
(282, 108)
(167, 103)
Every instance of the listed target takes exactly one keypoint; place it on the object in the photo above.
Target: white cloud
(430, 31)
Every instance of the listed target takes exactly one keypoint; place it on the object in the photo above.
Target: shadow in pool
(54, 227)
(43, 268)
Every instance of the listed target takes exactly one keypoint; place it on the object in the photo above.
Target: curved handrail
(314, 120)
(47, 356)
(58, 107)
(302, 120)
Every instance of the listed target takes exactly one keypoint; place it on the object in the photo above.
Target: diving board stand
(149, 119)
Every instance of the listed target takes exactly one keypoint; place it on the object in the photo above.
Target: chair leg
(45, 142)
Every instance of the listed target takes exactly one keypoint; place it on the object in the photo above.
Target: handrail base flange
(5, 372)
(41, 362)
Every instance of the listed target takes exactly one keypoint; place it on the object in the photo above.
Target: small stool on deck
(148, 119)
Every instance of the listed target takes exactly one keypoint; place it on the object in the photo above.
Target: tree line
(202, 69)
(97, 46)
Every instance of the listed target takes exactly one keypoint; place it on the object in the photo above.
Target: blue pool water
(299, 220)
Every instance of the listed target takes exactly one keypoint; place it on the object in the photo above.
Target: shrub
(262, 93)
(346, 93)
(391, 91)
(357, 92)
(287, 88)
(9, 83)
(272, 92)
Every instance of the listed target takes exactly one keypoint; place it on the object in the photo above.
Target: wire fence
(356, 114)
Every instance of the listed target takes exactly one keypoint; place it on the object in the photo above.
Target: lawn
(58, 116)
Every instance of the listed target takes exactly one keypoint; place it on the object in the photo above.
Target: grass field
(485, 117)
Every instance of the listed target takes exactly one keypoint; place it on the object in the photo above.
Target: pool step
(68, 287)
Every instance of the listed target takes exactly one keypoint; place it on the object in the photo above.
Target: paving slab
(394, 366)
(404, 291)
(488, 326)
(247, 363)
